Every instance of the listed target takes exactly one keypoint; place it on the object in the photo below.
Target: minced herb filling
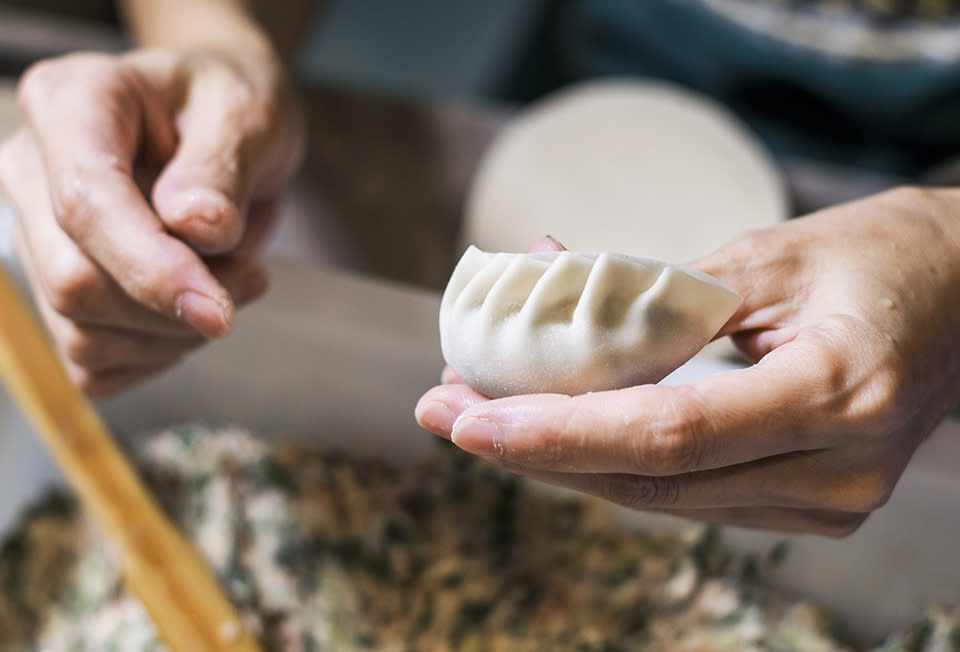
(320, 551)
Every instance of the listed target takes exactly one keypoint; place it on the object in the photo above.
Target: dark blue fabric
(899, 116)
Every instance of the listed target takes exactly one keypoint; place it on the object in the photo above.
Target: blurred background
(387, 84)
(480, 42)
(507, 52)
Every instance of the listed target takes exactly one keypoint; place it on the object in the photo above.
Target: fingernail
(437, 417)
(210, 317)
(478, 435)
(208, 205)
(545, 244)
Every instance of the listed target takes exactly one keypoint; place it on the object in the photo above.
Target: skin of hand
(145, 184)
(850, 316)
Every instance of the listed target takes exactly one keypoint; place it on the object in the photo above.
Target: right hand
(850, 316)
(145, 185)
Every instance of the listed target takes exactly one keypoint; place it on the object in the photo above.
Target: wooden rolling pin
(161, 568)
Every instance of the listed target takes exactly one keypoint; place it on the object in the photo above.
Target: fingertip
(546, 243)
(441, 406)
(435, 416)
(209, 316)
(205, 218)
(554, 242)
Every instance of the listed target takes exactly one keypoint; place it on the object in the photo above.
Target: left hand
(146, 184)
(851, 315)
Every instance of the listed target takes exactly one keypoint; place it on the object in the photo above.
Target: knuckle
(243, 98)
(71, 206)
(255, 109)
(867, 401)
(680, 452)
(73, 283)
(240, 100)
(878, 406)
(864, 493)
(48, 77)
(761, 251)
(754, 245)
(37, 84)
(80, 198)
(833, 386)
(677, 444)
(830, 361)
(640, 492)
(83, 378)
(81, 348)
(241, 94)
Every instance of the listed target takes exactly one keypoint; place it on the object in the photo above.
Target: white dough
(572, 322)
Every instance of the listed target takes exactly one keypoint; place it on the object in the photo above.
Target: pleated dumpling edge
(572, 322)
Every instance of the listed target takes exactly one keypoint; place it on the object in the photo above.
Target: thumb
(771, 271)
(203, 193)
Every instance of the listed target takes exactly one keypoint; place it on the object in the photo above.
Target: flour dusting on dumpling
(572, 322)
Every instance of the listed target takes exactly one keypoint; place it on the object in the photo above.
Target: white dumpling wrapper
(572, 323)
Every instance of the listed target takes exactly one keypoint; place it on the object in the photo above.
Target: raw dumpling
(572, 323)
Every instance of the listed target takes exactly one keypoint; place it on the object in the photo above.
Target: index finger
(728, 418)
(88, 141)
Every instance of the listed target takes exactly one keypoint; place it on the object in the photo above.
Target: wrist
(223, 26)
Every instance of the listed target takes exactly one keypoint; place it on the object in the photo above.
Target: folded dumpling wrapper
(571, 323)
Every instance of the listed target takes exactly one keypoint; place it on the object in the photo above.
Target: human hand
(851, 317)
(145, 185)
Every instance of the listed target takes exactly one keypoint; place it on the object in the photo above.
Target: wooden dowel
(161, 568)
